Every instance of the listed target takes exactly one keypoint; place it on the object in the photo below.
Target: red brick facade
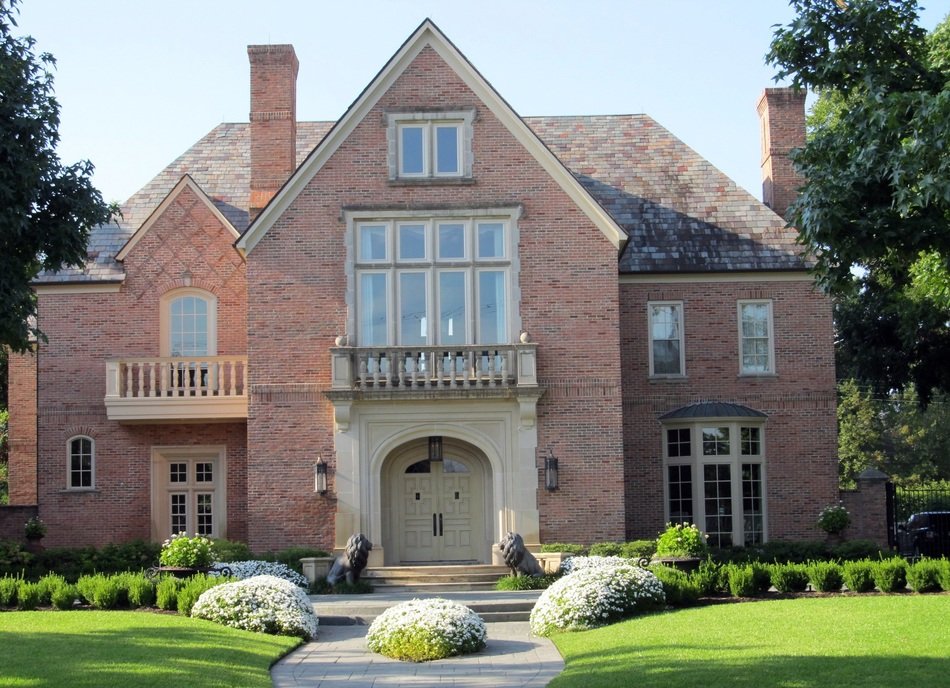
(287, 301)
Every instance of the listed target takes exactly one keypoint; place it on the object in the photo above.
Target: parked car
(926, 534)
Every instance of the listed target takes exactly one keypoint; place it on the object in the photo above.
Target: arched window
(81, 467)
(189, 323)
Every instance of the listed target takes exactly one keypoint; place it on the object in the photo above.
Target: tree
(46, 208)
(874, 209)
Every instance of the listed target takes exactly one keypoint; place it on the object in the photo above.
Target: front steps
(471, 585)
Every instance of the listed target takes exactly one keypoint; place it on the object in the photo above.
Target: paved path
(511, 659)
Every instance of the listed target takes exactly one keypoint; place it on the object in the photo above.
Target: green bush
(99, 590)
(141, 591)
(834, 519)
(575, 550)
(135, 555)
(825, 576)
(795, 551)
(709, 577)
(166, 593)
(858, 575)
(789, 577)
(292, 556)
(65, 596)
(945, 575)
(637, 549)
(890, 575)
(193, 586)
(854, 550)
(680, 589)
(8, 589)
(524, 582)
(231, 550)
(27, 596)
(924, 575)
(681, 540)
(13, 558)
(606, 549)
(48, 585)
(187, 552)
(741, 580)
(761, 576)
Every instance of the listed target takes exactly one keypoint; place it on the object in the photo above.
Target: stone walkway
(511, 659)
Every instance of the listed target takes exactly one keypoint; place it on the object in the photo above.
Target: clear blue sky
(139, 82)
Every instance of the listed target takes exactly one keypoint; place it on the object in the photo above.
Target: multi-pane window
(755, 338)
(81, 463)
(189, 318)
(430, 145)
(666, 338)
(718, 481)
(423, 282)
(190, 494)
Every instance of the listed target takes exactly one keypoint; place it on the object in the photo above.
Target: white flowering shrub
(248, 569)
(580, 563)
(595, 594)
(423, 630)
(265, 604)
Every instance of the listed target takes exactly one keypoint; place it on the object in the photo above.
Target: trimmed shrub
(231, 550)
(795, 551)
(924, 576)
(945, 575)
(761, 577)
(890, 575)
(141, 591)
(678, 588)
(8, 589)
(855, 550)
(825, 576)
(789, 577)
(65, 596)
(193, 588)
(709, 577)
(424, 630)
(292, 556)
(248, 569)
(741, 578)
(264, 604)
(606, 549)
(48, 585)
(27, 596)
(105, 593)
(166, 593)
(637, 549)
(576, 550)
(858, 575)
(599, 592)
(524, 582)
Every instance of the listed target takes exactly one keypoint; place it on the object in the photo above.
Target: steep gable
(428, 36)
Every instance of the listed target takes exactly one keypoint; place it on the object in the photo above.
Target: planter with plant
(681, 545)
(834, 519)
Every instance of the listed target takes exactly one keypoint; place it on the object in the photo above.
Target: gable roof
(429, 35)
(186, 182)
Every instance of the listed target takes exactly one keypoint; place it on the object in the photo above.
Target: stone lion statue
(351, 563)
(518, 558)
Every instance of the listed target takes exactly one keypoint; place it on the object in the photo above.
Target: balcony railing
(434, 367)
(176, 388)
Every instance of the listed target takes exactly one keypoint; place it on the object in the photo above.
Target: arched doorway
(437, 511)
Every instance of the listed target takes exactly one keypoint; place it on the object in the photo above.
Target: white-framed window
(756, 341)
(81, 466)
(189, 491)
(715, 477)
(189, 323)
(667, 355)
(434, 280)
(430, 145)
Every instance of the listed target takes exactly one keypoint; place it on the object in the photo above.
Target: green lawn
(865, 642)
(132, 649)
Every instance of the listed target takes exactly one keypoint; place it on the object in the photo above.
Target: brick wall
(569, 303)
(21, 428)
(800, 433)
(186, 246)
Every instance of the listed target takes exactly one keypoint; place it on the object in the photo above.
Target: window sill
(80, 490)
(757, 375)
(432, 181)
(661, 379)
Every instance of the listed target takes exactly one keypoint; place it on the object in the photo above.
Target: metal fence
(902, 502)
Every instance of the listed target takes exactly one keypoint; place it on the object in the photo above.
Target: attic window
(430, 146)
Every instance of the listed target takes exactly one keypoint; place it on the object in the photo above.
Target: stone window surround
(465, 116)
(164, 326)
(161, 457)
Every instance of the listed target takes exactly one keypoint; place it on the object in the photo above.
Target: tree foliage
(46, 208)
(874, 209)
(892, 434)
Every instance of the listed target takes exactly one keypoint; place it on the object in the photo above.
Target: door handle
(440, 524)
(434, 531)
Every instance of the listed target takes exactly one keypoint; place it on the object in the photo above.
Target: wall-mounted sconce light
(320, 477)
(550, 471)
(435, 448)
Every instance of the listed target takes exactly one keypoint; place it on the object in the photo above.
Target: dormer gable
(426, 134)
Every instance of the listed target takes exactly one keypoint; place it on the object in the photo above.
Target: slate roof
(712, 409)
(681, 213)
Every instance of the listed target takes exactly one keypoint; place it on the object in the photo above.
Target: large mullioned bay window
(715, 477)
(434, 281)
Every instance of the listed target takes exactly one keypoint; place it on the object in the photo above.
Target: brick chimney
(273, 121)
(782, 118)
